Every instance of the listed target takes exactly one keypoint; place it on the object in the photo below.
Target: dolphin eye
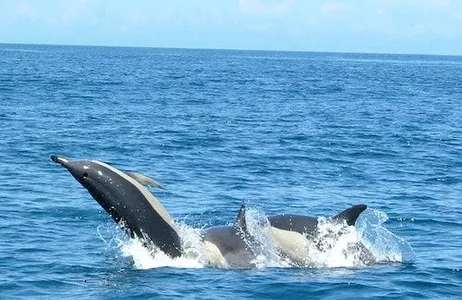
(84, 175)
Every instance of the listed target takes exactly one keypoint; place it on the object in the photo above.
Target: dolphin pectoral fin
(240, 220)
(145, 180)
(350, 214)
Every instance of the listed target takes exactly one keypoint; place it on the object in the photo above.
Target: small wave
(446, 180)
(21, 50)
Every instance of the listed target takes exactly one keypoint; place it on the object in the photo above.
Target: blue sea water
(305, 133)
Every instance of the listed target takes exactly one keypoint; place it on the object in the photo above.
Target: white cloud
(265, 7)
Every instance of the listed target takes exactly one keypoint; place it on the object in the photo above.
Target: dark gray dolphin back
(232, 245)
(297, 223)
(232, 241)
(308, 225)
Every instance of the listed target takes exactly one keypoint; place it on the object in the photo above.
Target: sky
(367, 26)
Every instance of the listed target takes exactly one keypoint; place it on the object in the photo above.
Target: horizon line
(230, 49)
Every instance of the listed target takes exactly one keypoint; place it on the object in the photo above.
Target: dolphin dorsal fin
(351, 214)
(240, 220)
(145, 180)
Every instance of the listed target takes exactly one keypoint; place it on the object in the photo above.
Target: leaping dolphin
(126, 199)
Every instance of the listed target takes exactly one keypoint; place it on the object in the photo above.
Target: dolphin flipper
(145, 180)
(350, 214)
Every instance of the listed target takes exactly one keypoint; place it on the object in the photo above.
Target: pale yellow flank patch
(291, 244)
(214, 255)
(156, 205)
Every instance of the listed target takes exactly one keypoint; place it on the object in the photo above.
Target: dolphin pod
(125, 198)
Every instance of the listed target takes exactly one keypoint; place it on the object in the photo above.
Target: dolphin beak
(76, 168)
(59, 160)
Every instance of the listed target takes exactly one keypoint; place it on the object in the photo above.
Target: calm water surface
(306, 133)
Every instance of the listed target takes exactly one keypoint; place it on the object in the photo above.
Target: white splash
(144, 258)
(262, 244)
(386, 246)
(335, 245)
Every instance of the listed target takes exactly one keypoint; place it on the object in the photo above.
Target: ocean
(284, 132)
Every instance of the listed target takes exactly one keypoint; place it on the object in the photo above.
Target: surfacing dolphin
(125, 198)
(292, 232)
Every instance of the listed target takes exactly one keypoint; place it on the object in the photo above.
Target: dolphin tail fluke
(351, 214)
